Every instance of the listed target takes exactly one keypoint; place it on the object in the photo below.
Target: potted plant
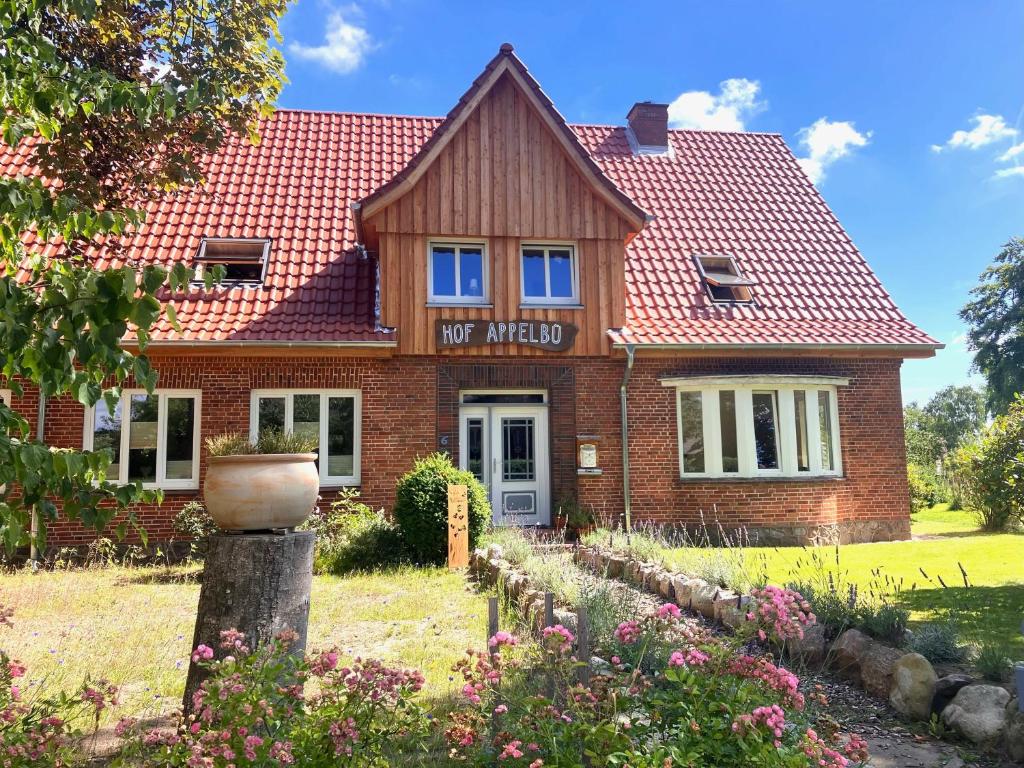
(577, 520)
(271, 482)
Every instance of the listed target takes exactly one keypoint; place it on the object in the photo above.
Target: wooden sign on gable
(555, 337)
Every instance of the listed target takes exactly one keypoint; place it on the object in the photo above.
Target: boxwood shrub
(421, 507)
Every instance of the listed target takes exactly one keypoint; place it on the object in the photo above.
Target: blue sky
(908, 113)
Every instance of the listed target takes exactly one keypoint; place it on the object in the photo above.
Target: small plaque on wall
(587, 455)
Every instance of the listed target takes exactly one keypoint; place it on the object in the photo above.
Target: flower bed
(670, 693)
(980, 713)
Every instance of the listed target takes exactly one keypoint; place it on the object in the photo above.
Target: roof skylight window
(723, 279)
(244, 259)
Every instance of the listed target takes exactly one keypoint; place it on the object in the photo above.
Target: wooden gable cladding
(404, 277)
(503, 177)
(503, 173)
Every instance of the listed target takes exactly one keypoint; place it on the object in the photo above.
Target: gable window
(156, 444)
(331, 417)
(458, 273)
(723, 280)
(244, 259)
(737, 426)
(550, 274)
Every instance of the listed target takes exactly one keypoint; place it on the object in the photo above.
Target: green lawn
(992, 607)
(134, 627)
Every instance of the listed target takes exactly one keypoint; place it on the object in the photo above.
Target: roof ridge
(399, 116)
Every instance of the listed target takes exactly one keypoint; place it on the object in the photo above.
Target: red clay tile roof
(741, 194)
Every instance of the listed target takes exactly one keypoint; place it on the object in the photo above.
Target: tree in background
(956, 414)
(924, 445)
(989, 470)
(104, 105)
(995, 318)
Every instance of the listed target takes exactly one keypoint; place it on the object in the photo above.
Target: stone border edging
(491, 568)
(984, 714)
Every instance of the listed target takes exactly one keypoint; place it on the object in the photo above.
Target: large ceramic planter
(261, 491)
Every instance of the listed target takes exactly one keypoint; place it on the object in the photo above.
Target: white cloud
(1005, 173)
(726, 111)
(827, 141)
(987, 129)
(1012, 152)
(344, 48)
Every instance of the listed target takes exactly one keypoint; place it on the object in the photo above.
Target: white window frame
(710, 388)
(326, 481)
(203, 261)
(5, 397)
(458, 299)
(190, 484)
(547, 300)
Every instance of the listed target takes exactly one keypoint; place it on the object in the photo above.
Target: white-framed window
(244, 259)
(758, 426)
(458, 272)
(333, 417)
(549, 273)
(154, 438)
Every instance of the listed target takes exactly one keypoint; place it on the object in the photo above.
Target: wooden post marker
(458, 527)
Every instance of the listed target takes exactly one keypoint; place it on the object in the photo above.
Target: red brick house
(504, 286)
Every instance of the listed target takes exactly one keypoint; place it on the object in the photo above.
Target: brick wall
(410, 408)
(870, 502)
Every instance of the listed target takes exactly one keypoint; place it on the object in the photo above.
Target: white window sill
(340, 482)
(766, 478)
(530, 305)
(460, 304)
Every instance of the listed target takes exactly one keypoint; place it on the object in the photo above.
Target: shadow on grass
(966, 534)
(989, 613)
(162, 576)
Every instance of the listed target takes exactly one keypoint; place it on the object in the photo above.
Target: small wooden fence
(582, 634)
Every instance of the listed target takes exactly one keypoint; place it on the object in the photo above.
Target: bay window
(153, 438)
(757, 426)
(331, 417)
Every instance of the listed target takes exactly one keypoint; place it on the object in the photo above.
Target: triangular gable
(505, 62)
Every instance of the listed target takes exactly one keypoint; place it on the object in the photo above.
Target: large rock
(877, 664)
(811, 648)
(650, 577)
(682, 588)
(846, 653)
(1015, 731)
(702, 599)
(634, 572)
(913, 686)
(665, 585)
(978, 713)
(946, 688)
(615, 567)
(726, 601)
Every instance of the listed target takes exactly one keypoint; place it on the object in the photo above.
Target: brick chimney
(649, 123)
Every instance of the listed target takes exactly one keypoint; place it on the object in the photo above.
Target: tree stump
(257, 583)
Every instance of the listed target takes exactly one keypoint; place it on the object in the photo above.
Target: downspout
(623, 397)
(33, 555)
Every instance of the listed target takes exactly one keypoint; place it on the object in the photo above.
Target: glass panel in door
(518, 461)
(476, 459)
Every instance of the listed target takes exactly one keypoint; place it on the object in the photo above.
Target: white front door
(506, 448)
